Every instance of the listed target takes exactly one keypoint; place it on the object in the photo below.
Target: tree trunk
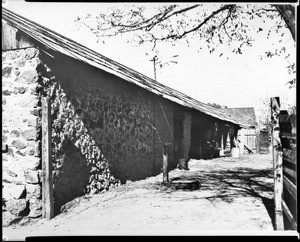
(287, 12)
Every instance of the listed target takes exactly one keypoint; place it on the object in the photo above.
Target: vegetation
(233, 26)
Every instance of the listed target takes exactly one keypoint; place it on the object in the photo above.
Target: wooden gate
(285, 167)
(250, 139)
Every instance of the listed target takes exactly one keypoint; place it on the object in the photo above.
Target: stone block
(4, 139)
(36, 111)
(17, 207)
(30, 163)
(33, 191)
(9, 218)
(20, 63)
(29, 101)
(18, 144)
(31, 177)
(30, 134)
(14, 133)
(6, 71)
(11, 55)
(12, 171)
(30, 53)
(18, 191)
(32, 121)
(10, 190)
(35, 213)
(27, 77)
(6, 92)
(20, 90)
(35, 204)
(16, 71)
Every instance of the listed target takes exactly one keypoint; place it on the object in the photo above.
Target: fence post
(277, 162)
(166, 153)
(47, 183)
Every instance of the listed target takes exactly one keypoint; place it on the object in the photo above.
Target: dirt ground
(235, 196)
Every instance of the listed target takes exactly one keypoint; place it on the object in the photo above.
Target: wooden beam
(166, 153)
(290, 172)
(289, 215)
(290, 187)
(47, 182)
(289, 156)
(277, 162)
(288, 136)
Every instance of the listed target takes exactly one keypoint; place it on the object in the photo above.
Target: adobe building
(108, 122)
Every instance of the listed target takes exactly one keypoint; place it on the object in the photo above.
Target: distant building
(247, 137)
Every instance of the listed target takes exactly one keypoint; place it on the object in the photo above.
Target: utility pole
(154, 65)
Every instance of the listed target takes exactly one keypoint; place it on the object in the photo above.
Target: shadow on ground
(230, 184)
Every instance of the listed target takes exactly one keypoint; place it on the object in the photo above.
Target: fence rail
(289, 170)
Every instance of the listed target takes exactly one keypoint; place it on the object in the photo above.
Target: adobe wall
(21, 132)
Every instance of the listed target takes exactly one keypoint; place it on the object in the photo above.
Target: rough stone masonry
(21, 130)
(78, 167)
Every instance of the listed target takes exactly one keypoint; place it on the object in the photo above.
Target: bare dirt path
(236, 195)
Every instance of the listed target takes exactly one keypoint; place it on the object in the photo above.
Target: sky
(240, 81)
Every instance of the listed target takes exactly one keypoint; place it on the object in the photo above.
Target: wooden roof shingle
(64, 45)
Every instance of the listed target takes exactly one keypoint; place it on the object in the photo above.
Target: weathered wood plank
(166, 153)
(47, 183)
(290, 187)
(277, 162)
(289, 215)
(288, 136)
(290, 172)
(289, 155)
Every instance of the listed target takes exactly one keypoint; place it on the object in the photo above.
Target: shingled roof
(64, 45)
(242, 115)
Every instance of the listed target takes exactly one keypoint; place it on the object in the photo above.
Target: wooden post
(277, 163)
(47, 183)
(241, 139)
(257, 141)
(228, 145)
(166, 153)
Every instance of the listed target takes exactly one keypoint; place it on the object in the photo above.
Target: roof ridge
(65, 45)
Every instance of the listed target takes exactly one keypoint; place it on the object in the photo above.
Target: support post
(47, 182)
(277, 163)
(241, 137)
(222, 145)
(166, 153)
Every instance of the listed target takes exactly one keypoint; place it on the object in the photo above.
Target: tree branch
(287, 12)
(175, 36)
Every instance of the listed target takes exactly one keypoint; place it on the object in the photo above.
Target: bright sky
(240, 81)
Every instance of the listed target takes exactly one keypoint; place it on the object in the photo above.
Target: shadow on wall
(79, 166)
(99, 124)
(72, 177)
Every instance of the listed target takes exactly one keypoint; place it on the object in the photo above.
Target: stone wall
(102, 131)
(105, 130)
(21, 165)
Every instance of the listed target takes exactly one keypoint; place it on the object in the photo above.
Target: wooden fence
(289, 166)
(285, 167)
(250, 139)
